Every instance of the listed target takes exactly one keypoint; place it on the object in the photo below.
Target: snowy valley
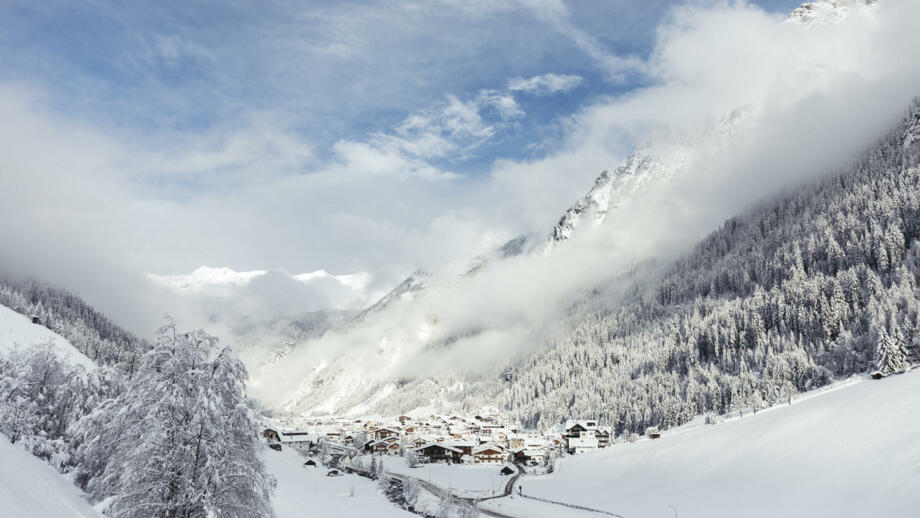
(724, 323)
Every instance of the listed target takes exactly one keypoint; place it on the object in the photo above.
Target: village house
(465, 447)
(530, 457)
(435, 452)
(586, 435)
(489, 454)
(581, 437)
(301, 441)
(388, 446)
(384, 433)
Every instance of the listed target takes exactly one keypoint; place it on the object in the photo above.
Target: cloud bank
(807, 100)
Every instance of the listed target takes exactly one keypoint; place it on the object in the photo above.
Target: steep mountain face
(567, 383)
(817, 285)
(664, 158)
(657, 162)
(403, 292)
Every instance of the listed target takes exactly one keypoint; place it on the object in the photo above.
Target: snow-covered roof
(488, 446)
(439, 445)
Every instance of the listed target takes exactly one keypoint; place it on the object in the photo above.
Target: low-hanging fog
(806, 100)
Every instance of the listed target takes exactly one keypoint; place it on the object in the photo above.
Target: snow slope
(29, 487)
(306, 492)
(18, 332)
(852, 451)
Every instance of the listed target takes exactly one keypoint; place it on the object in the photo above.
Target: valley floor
(851, 451)
(305, 492)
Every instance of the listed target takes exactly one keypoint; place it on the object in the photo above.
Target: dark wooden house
(436, 452)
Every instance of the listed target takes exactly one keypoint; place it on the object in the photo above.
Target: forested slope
(814, 285)
(91, 332)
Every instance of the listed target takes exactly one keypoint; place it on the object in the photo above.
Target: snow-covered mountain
(403, 292)
(264, 313)
(656, 162)
(348, 290)
(663, 158)
(387, 357)
(828, 11)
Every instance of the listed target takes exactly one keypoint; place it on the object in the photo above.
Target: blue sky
(326, 70)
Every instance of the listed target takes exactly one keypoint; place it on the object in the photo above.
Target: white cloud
(546, 84)
(815, 97)
(231, 154)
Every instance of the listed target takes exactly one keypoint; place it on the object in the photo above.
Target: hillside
(754, 314)
(90, 332)
(30, 487)
(850, 451)
(817, 284)
(18, 332)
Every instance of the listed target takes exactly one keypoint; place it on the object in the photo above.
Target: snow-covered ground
(31, 488)
(466, 481)
(853, 451)
(17, 331)
(305, 492)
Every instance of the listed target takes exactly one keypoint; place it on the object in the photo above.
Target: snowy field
(853, 451)
(526, 508)
(31, 488)
(308, 492)
(466, 481)
(18, 332)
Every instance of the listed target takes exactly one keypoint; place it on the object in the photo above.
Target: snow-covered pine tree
(180, 442)
(891, 354)
(374, 473)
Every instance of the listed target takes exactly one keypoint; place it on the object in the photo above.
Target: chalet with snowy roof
(438, 452)
(530, 457)
(516, 441)
(388, 446)
(585, 435)
(301, 441)
(489, 454)
(603, 437)
(464, 446)
(581, 436)
(384, 433)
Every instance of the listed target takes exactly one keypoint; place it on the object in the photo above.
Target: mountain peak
(828, 11)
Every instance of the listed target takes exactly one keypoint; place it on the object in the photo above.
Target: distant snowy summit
(205, 278)
(656, 162)
(827, 12)
(664, 158)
